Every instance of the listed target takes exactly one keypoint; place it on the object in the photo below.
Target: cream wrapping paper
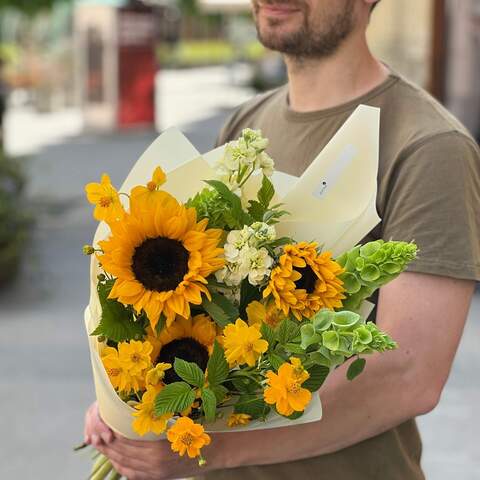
(333, 203)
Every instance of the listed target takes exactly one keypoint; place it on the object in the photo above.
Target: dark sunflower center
(308, 280)
(160, 264)
(187, 349)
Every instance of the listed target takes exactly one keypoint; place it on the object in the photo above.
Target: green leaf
(276, 361)
(217, 366)
(280, 242)
(252, 405)
(294, 415)
(318, 375)
(222, 310)
(294, 348)
(233, 200)
(268, 334)
(174, 398)
(266, 192)
(220, 392)
(190, 372)
(356, 368)
(117, 322)
(331, 340)
(287, 331)
(244, 385)
(209, 404)
(256, 210)
(248, 294)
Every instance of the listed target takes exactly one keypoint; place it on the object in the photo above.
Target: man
(429, 190)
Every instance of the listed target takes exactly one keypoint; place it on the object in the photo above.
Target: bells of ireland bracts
(371, 266)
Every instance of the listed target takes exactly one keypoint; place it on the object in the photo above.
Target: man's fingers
(96, 430)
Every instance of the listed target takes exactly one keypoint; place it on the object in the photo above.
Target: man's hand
(137, 460)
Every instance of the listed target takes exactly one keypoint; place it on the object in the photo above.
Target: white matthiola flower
(247, 154)
(263, 232)
(258, 262)
(255, 139)
(239, 238)
(266, 163)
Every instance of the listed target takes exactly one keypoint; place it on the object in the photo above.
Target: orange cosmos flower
(285, 388)
(187, 436)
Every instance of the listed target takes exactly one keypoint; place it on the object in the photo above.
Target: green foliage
(209, 404)
(235, 214)
(372, 265)
(29, 7)
(221, 309)
(266, 192)
(318, 375)
(15, 222)
(174, 398)
(220, 392)
(217, 366)
(209, 204)
(260, 210)
(189, 372)
(248, 294)
(268, 334)
(117, 322)
(252, 405)
(287, 331)
(356, 368)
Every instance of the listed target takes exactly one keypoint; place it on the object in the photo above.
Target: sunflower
(190, 339)
(161, 257)
(305, 281)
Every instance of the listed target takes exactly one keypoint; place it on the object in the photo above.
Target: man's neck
(317, 84)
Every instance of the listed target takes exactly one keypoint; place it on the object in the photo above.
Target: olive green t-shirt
(428, 191)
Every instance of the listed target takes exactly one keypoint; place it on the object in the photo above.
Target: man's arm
(425, 314)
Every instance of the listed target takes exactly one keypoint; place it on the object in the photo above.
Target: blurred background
(85, 87)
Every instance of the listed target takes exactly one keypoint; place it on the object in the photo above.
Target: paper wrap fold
(333, 203)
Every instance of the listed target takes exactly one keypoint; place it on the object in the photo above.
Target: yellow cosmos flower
(119, 376)
(157, 374)
(190, 339)
(284, 389)
(150, 192)
(238, 419)
(243, 344)
(135, 356)
(259, 313)
(146, 421)
(161, 258)
(187, 436)
(106, 200)
(305, 281)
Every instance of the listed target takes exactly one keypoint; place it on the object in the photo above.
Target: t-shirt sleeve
(433, 198)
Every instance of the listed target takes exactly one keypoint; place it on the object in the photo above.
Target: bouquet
(210, 313)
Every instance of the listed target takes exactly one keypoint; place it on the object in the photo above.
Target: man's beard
(315, 38)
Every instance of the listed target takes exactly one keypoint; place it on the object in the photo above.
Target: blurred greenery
(15, 222)
(190, 53)
(30, 7)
